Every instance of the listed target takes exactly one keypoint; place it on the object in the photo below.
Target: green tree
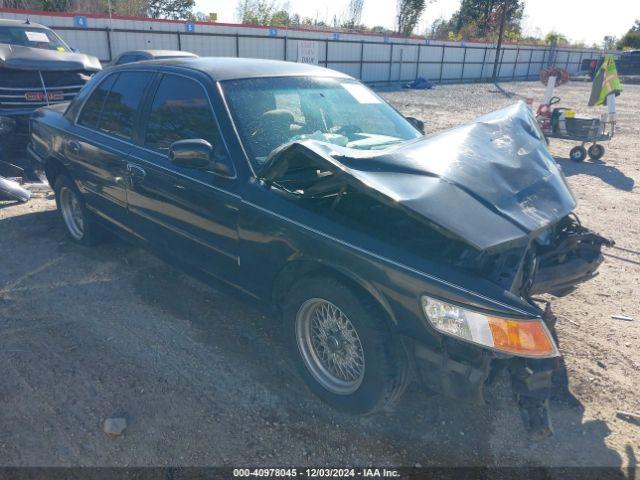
(631, 39)
(263, 12)
(556, 38)
(485, 16)
(177, 9)
(56, 5)
(354, 13)
(409, 12)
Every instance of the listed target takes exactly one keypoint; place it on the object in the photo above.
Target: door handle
(73, 146)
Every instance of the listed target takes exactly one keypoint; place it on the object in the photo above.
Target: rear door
(99, 143)
(191, 214)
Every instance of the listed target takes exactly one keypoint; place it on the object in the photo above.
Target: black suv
(36, 68)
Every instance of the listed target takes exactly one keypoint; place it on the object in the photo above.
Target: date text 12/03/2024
(317, 472)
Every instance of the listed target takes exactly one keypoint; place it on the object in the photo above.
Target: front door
(191, 214)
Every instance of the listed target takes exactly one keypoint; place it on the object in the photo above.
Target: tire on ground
(386, 371)
(91, 233)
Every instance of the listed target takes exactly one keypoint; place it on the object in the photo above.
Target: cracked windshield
(270, 112)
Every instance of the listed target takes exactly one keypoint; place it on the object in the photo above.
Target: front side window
(121, 106)
(34, 37)
(270, 112)
(180, 111)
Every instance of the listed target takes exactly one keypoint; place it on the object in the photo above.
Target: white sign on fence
(307, 52)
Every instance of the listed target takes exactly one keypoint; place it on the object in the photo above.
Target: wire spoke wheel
(72, 212)
(330, 346)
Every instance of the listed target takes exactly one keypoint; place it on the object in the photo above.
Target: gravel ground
(202, 378)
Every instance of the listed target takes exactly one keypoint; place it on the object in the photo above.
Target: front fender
(299, 266)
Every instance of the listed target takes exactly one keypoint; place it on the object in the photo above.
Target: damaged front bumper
(464, 372)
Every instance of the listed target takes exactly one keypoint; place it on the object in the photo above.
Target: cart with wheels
(587, 131)
(561, 122)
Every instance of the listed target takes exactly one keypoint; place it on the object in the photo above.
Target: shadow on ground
(205, 378)
(599, 169)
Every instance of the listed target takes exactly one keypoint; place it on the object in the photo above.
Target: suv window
(93, 106)
(122, 104)
(129, 58)
(181, 111)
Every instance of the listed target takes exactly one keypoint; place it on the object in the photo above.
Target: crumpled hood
(27, 58)
(488, 182)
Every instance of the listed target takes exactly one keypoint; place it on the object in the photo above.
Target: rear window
(93, 106)
(121, 107)
(113, 106)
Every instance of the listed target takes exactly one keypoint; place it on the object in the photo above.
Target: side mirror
(196, 153)
(75, 50)
(418, 124)
(192, 153)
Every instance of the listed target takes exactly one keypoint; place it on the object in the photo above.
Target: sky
(580, 20)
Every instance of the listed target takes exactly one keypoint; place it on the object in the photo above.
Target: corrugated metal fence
(371, 58)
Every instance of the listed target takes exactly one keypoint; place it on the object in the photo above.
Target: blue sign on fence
(427, 41)
(386, 39)
(273, 32)
(336, 36)
(79, 21)
(189, 27)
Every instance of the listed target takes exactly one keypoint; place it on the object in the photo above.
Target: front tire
(578, 154)
(342, 346)
(79, 223)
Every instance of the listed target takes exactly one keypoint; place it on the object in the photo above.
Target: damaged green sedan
(388, 254)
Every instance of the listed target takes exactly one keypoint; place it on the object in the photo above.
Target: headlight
(6, 125)
(529, 338)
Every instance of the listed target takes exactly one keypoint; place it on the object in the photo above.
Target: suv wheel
(343, 347)
(80, 225)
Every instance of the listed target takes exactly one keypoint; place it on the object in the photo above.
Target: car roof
(160, 53)
(231, 68)
(5, 22)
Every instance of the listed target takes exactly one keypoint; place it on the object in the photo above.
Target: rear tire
(343, 348)
(596, 151)
(78, 221)
(578, 154)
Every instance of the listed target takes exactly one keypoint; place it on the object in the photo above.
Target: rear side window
(121, 107)
(180, 111)
(93, 106)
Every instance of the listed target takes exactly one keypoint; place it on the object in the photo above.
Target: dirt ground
(202, 376)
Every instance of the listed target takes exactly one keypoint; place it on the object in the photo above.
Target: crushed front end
(485, 205)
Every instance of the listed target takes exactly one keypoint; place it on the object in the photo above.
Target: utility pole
(110, 17)
(500, 34)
